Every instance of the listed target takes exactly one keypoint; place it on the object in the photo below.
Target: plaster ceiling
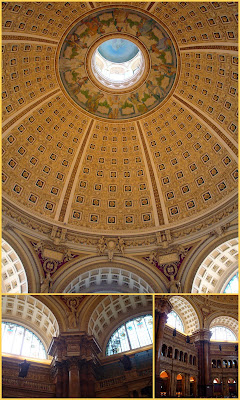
(170, 165)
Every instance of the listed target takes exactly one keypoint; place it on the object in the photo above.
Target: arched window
(169, 354)
(175, 321)
(164, 350)
(222, 333)
(132, 334)
(18, 340)
(232, 286)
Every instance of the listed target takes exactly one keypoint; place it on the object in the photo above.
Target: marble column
(76, 352)
(202, 343)
(74, 378)
(58, 378)
(64, 380)
(173, 384)
(162, 308)
(187, 385)
(225, 387)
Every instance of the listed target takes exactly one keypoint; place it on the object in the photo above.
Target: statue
(46, 283)
(72, 316)
(121, 245)
(68, 255)
(23, 369)
(101, 245)
(126, 362)
(111, 245)
(153, 257)
(174, 286)
(38, 246)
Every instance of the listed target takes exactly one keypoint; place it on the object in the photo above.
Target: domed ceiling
(98, 29)
(156, 155)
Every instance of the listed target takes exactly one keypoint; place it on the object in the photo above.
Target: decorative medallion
(117, 63)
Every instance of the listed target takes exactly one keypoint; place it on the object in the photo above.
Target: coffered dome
(94, 159)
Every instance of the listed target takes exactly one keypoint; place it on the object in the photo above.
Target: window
(132, 334)
(222, 333)
(175, 321)
(118, 63)
(232, 286)
(20, 341)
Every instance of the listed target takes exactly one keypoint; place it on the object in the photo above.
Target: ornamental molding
(214, 224)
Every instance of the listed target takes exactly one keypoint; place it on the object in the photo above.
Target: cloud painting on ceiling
(152, 91)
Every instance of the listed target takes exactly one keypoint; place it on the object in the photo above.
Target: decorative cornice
(36, 227)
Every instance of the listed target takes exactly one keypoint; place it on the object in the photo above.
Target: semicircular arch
(30, 262)
(31, 313)
(102, 318)
(98, 274)
(188, 313)
(193, 271)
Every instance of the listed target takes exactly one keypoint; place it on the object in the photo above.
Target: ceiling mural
(139, 29)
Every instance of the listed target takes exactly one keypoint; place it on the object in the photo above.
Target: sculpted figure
(46, 283)
(121, 245)
(101, 245)
(72, 316)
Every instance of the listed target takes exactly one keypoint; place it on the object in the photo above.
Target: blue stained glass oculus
(137, 332)
(118, 50)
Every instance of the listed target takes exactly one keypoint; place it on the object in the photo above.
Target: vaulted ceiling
(91, 170)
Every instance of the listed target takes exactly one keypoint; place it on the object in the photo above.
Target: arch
(225, 321)
(20, 341)
(193, 386)
(217, 267)
(197, 254)
(164, 384)
(31, 264)
(222, 333)
(170, 352)
(231, 285)
(103, 314)
(108, 279)
(164, 350)
(176, 354)
(175, 321)
(96, 274)
(181, 356)
(187, 313)
(32, 314)
(14, 278)
(235, 364)
(180, 385)
(225, 364)
(135, 333)
(217, 386)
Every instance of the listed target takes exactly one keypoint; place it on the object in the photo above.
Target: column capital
(163, 305)
(69, 345)
(201, 335)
